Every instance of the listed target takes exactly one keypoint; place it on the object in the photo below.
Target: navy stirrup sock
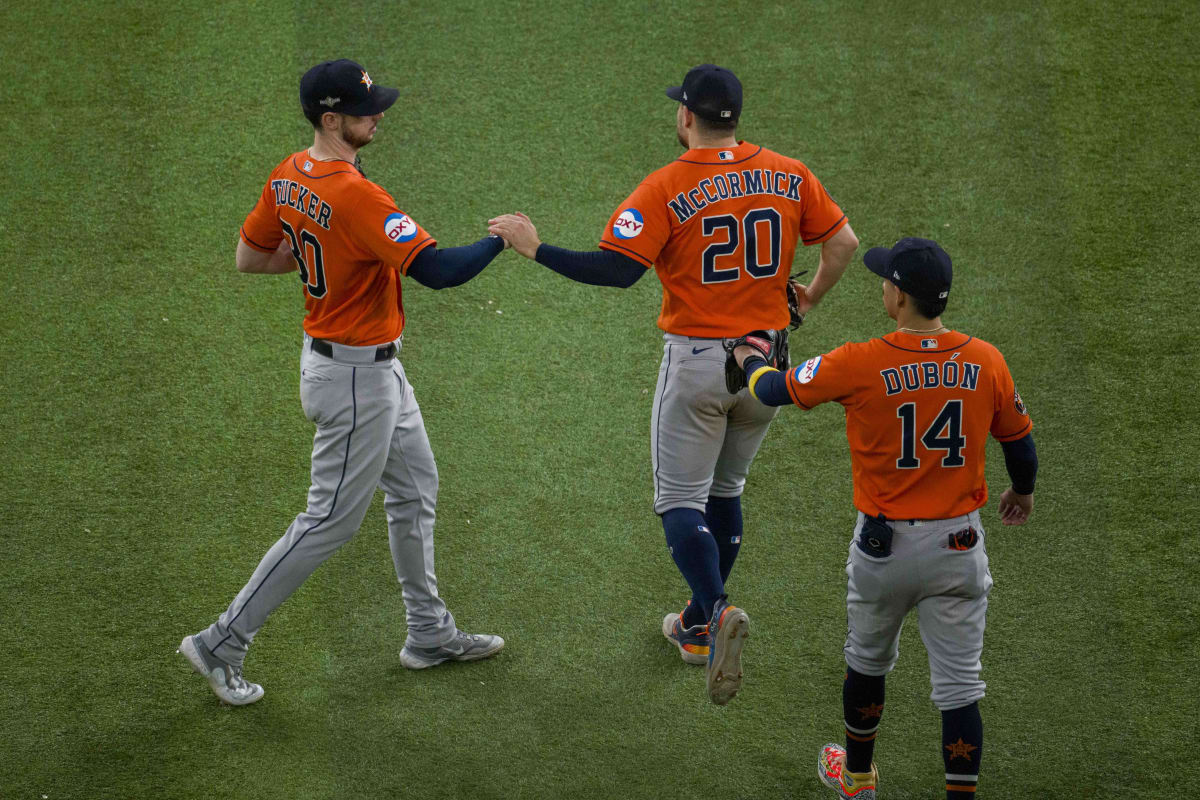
(862, 708)
(724, 517)
(962, 749)
(695, 553)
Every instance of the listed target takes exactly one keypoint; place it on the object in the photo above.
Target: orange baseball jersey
(720, 225)
(350, 242)
(918, 413)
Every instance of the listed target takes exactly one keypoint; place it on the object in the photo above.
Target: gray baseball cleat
(225, 679)
(463, 647)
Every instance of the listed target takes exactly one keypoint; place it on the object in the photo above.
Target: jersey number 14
(947, 422)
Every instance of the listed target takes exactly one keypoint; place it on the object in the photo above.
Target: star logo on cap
(331, 101)
(367, 80)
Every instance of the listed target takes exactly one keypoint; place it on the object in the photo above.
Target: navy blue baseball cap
(711, 92)
(919, 267)
(345, 87)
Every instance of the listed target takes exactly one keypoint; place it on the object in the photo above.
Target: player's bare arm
(257, 262)
(835, 256)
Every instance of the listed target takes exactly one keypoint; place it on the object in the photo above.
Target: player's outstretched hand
(518, 231)
(1015, 508)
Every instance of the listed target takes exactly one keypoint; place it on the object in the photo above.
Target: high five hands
(517, 231)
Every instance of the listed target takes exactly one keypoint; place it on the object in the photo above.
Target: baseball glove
(793, 299)
(772, 344)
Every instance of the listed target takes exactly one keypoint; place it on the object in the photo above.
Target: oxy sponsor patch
(808, 370)
(399, 227)
(629, 224)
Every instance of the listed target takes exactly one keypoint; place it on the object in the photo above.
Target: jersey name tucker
(735, 184)
(930, 375)
(303, 199)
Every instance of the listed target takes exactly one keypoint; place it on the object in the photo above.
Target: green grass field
(154, 445)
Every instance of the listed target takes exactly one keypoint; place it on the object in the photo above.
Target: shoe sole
(412, 661)
(725, 671)
(188, 650)
(688, 657)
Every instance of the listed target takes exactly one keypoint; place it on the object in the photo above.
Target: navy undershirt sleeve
(598, 267)
(1020, 459)
(771, 389)
(454, 266)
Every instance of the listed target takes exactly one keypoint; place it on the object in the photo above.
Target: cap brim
(675, 93)
(382, 98)
(877, 259)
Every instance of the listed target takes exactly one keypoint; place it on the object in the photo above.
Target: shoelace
(236, 682)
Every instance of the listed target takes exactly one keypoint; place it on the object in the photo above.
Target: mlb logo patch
(929, 344)
(308, 166)
(725, 155)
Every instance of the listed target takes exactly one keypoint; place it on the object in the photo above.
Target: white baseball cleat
(463, 647)
(225, 679)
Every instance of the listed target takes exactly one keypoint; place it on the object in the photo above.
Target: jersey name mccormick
(735, 184)
(303, 199)
(350, 244)
(917, 418)
(720, 226)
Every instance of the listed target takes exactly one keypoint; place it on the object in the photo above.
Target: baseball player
(720, 226)
(920, 403)
(319, 214)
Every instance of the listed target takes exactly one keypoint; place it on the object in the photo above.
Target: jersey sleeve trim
(428, 241)
(792, 392)
(261, 247)
(632, 253)
(1009, 437)
(832, 230)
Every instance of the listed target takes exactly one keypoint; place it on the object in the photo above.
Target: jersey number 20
(313, 275)
(948, 421)
(747, 229)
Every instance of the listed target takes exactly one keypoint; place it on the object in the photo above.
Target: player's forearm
(1020, 459)
(835, 257)
(767, 384)
(597, 268)
(454, 266)
(257, 262)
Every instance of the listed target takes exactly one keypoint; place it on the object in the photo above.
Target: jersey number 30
(760, 221)
(313, 275)
(948, 421)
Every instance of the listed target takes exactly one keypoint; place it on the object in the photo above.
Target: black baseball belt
(384, 352)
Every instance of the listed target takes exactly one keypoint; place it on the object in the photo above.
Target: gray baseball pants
(369, 434)
(948, 587)
(702, 438)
